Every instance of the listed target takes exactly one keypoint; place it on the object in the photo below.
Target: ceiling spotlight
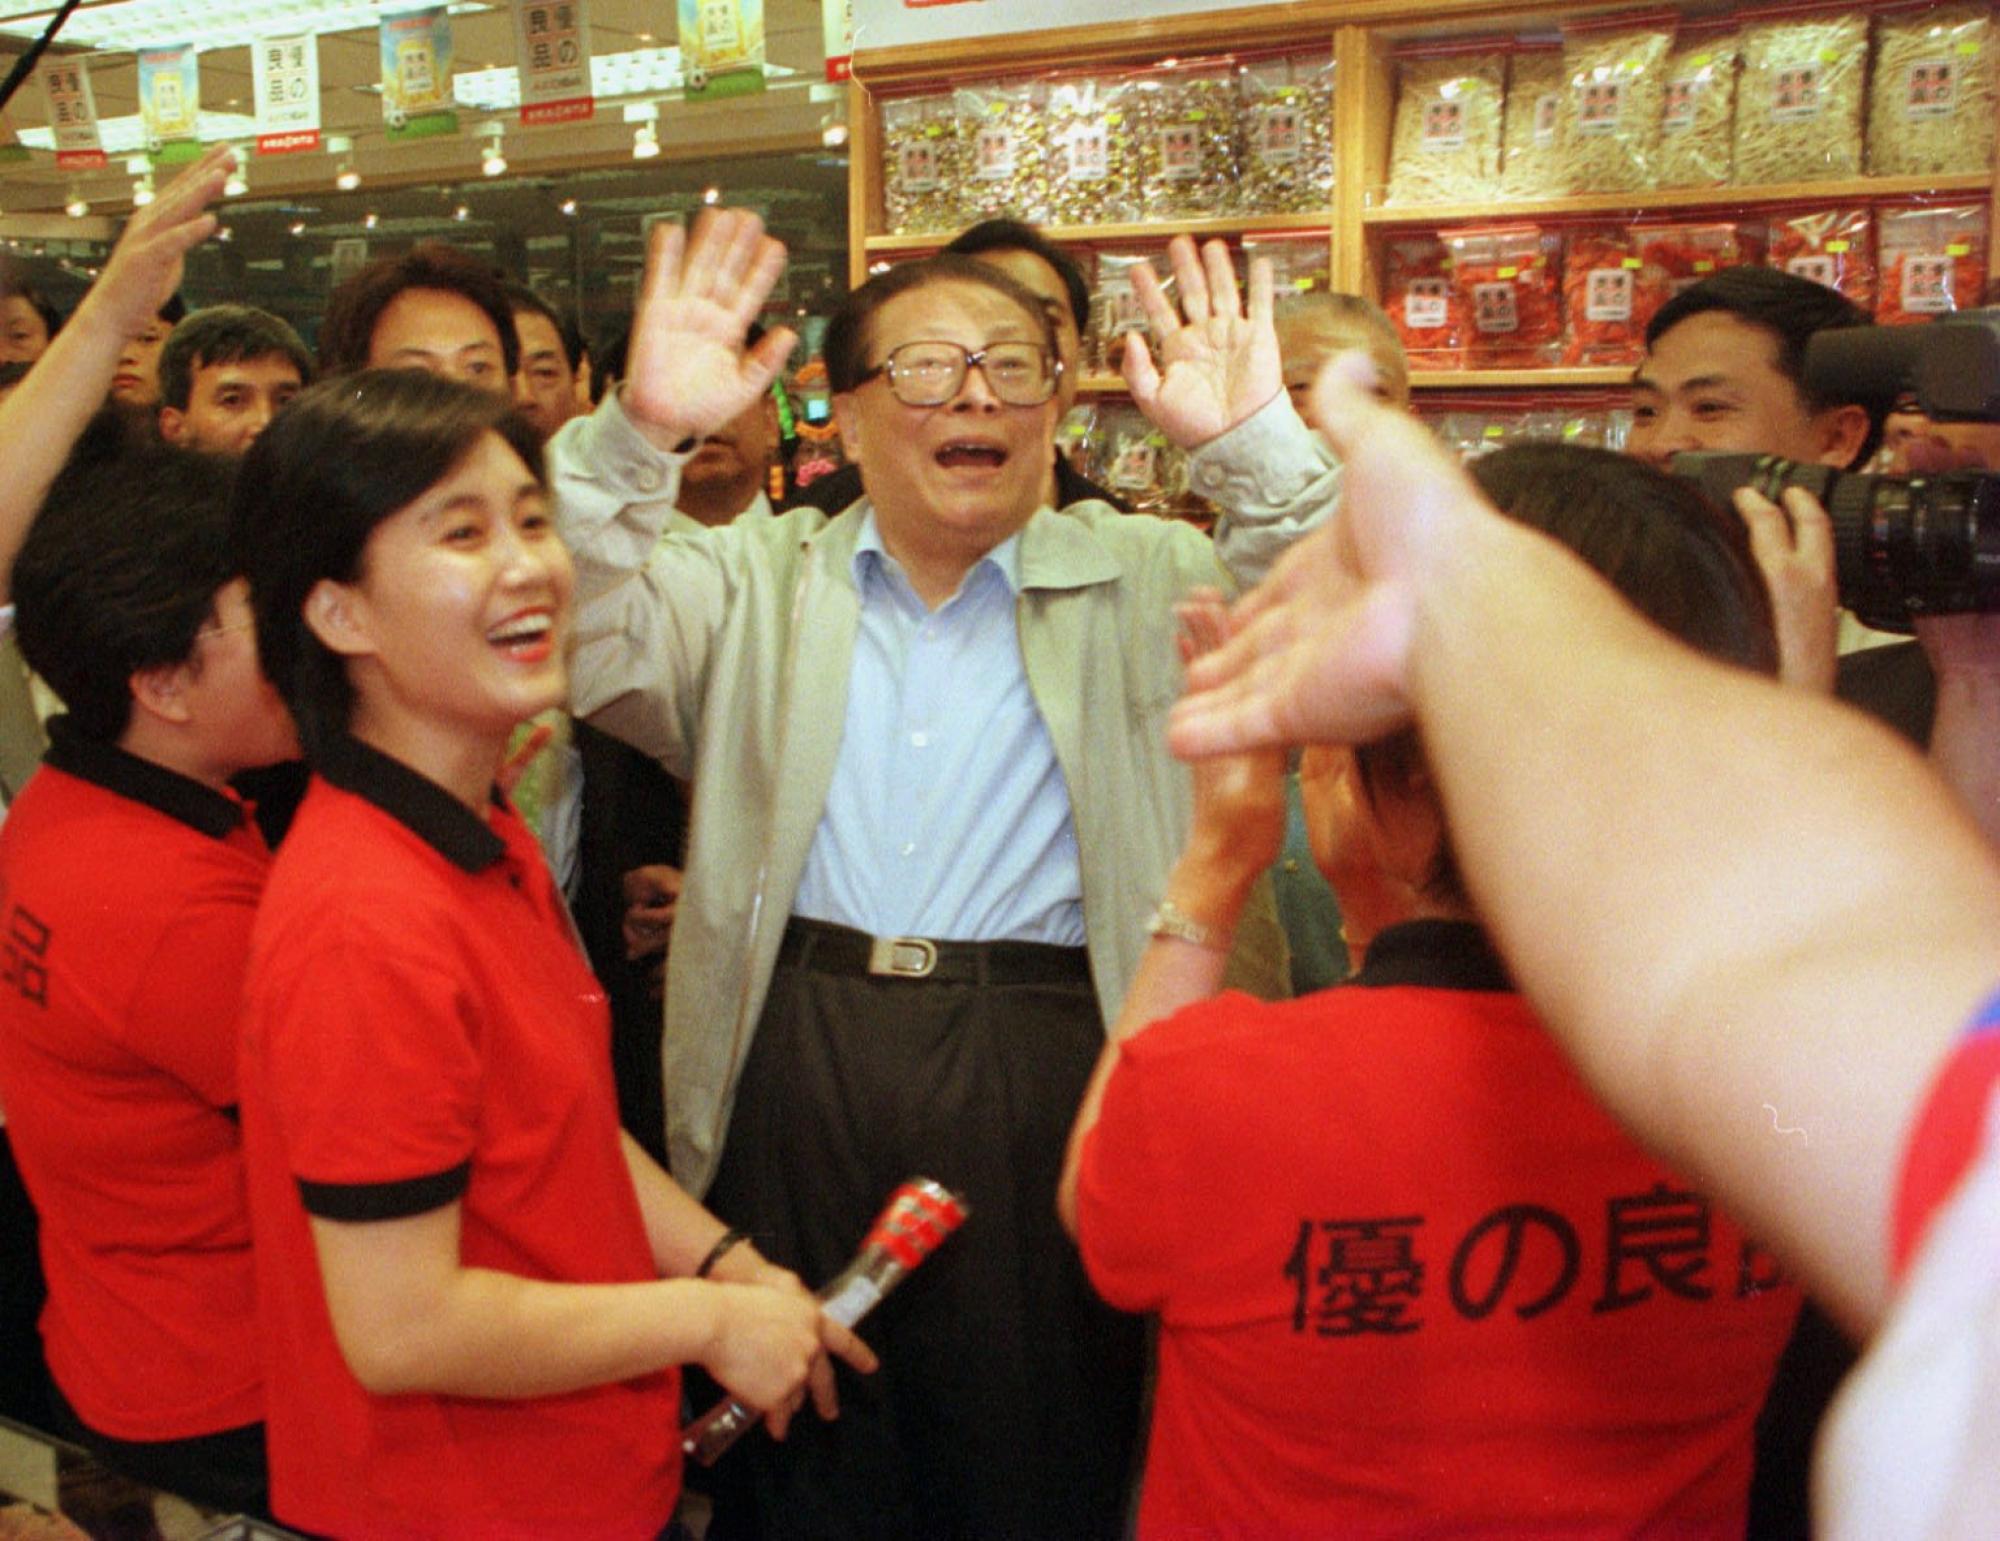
(462, 213)
(225, 234)
(297, 227)
(568, 206)
(493, 163)
(77, 206)
(645, 142)
(711, 195)
(237, 185)
(370, 220)
(347, 178)
(832, 131)
(142, 192)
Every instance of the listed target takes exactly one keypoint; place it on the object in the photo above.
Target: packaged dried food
(923, 165)
(1616, 66)
(1427, 308)
(1609, 294)
(1187, 129)
(1001, 127)
(1798, 103)
(1287, 134)
(1678, 254)
(1698, 113)
(1471, 426)
(1531, 158)
(1933, 261)
(1835, 247)
(1506, 276)
(1300, 264)
(1445, 144)
(1137, 461)
(1931, 108)
(1114, 306)
(1090, 153)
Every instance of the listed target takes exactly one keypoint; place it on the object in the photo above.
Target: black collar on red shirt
(1438, 954)
(202, 809)
(426, 809)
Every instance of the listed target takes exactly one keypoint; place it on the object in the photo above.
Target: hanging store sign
(73, 115)
(722, 47)
(837, 28)
(170, 102)
(285, 71)
(416, 74)
(552, 45)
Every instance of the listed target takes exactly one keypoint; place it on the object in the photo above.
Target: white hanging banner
(837, 29)
(170, 102)
(552, 48)
(73, 114)
(285, 71)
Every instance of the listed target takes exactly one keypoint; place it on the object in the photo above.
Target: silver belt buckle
(904, 957)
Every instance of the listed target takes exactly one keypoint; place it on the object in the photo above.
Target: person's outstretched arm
(1752, 918)
(41, 419)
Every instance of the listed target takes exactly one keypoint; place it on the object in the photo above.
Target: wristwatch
(1171, 920)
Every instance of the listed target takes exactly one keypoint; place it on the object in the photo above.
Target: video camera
(1904, 546)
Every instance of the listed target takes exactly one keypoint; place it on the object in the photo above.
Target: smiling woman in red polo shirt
(475, 1288)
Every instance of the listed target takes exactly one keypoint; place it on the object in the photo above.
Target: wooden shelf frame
(1669, 200)
(1135, 233)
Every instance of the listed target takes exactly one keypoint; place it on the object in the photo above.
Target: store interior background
(568, 215)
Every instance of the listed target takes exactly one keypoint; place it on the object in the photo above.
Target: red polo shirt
(1412, 1279)
(126, 900)
(1948, 1132)
(421, 1029)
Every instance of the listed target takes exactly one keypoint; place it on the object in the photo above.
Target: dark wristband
(728, 1239)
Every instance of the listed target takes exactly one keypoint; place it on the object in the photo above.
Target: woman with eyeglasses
(476, 1290)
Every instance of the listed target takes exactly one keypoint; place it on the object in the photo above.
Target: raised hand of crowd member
(1237, 830)
(1793, 545)
(41, 418)
(1218, 361)
(688, 371)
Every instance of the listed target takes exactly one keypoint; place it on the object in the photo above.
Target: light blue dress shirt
(948, 816)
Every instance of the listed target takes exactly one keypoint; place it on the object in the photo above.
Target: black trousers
(225, 1471)
(1007, 1405)
(24, 1378)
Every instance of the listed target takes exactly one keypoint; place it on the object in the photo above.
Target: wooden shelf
(1141, 231)
(1653, 201)
(1510, 379)
(1103, 385)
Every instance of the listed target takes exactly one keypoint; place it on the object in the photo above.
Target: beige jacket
(725, 654)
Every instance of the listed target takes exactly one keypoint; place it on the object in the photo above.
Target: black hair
(1791, 309)
(847, 334)
(607, 355)
(1012, 235)
(225, 334)
(12, 373)
(354, 309)
(342, 458)
(174, 311)
(119, 572)
(1681, 561)
(38, 302)
(520, 297)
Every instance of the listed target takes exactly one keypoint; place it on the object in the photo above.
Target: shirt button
(1212, 477)
(910, 849)
(919, 739)
(647, 478)
(1291, 864)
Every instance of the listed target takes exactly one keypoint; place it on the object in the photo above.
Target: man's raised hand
(688, 371)
(1218, 364)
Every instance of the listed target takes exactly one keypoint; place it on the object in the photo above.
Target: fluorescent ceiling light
(124, 136)
(135, 24)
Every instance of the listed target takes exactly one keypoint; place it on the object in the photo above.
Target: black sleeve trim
(385, 1201)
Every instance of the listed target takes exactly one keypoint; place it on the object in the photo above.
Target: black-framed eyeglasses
(928, 374)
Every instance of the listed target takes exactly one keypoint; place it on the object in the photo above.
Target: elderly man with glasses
(936, 810)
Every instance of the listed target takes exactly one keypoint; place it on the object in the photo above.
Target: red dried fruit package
(1685, 254)
(1506, 277)
(1835, 247)
(1427, 308)
(1933, 262)
(1609, 294)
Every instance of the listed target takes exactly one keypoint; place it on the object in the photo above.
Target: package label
(917, 167)
(1795, 92)
(1683, 102)
(1930, 89)
(1607, 295)
(1548, 117)
(1426, 304)
(1278, 135)
(1444, 125)
(1598, 106)
(1927, 283)
(1132, 470)
(1495, 310)
(993, 153)
(1180, 152)
(1088, 147)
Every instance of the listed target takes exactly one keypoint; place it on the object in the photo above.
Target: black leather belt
(831, 949)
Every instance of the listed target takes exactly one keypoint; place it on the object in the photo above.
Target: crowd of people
(512, 888)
